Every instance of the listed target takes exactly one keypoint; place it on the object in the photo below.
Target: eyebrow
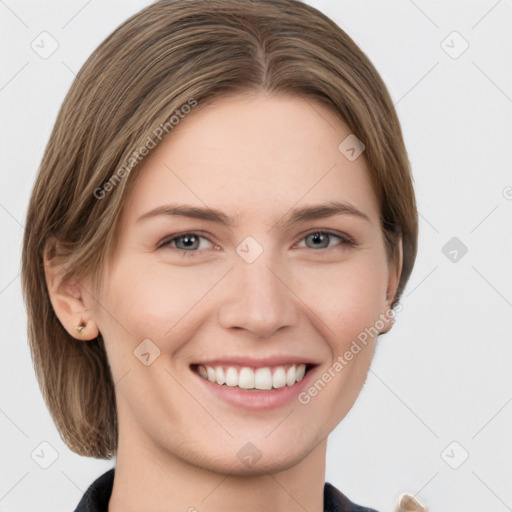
(318, 211)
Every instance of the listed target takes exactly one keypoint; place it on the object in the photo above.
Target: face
(253, 294)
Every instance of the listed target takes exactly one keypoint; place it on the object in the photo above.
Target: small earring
(80, 328)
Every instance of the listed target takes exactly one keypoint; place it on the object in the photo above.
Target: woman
(222, 224)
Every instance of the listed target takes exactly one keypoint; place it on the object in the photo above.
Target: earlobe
(67, 299)
(86, 330)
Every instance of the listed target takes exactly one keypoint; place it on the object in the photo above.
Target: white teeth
(231, 377)
(263, 378)
(291, 375)
(220, 378)
(249, 378)
(246, 378)
(211, 373)
(279, 378)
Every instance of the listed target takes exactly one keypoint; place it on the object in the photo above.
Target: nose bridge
(257, 300)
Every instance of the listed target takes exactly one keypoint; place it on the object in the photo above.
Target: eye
(320, 239)
(186, 243)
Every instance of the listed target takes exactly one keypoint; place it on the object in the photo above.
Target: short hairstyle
(169, 57)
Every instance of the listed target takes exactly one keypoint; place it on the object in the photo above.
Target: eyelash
(166, 243)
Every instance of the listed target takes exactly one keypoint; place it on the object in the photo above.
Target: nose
(258, 298)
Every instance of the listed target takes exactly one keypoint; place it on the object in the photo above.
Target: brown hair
(170, 54)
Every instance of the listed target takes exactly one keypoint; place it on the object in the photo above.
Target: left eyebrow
(314, 212)
(322, 211)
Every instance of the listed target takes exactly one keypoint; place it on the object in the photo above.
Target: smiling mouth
(248, 378)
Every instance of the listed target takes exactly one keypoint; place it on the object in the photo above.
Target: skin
(255, 158)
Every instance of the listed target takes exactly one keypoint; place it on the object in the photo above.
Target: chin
(249, 460)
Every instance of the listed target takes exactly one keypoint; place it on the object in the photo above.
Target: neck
(147, 477)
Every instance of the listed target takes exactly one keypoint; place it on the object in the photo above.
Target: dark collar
(98, 494)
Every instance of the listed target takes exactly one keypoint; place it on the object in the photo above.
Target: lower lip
(257, 400)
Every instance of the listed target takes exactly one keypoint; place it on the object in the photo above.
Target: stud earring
(80, 328)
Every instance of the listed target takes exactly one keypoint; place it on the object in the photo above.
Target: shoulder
(336, 501)
(97, 496)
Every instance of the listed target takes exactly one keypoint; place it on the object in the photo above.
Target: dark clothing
(98, 494)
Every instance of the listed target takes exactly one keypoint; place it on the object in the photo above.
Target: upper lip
(257, 363)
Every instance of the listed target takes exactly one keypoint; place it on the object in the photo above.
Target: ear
(67, 298)
(395, 271)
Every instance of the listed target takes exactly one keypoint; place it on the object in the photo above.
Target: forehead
(250, 156)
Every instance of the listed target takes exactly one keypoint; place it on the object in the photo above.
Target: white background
(443, 373)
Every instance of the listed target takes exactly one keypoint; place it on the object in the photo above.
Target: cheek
(155, 301)
(347, 297)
